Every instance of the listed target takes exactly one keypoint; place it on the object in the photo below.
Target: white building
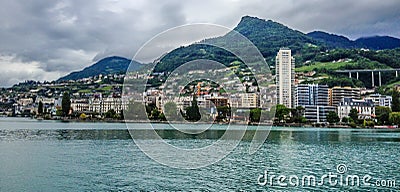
(381, 100)
(80, 105)
(285, 75)
(25, 101)
(365, 108)
(45, 100)
(102, 105)
(183, 102)
(48, 104)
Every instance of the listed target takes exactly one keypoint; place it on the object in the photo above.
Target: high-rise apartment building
(312, 94)
(336, 94)
(285, 77)
(314, 99)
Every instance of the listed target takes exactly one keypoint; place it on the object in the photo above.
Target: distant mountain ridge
(269, 36)
(337, 41)
(379, 42)
(332, 40)
(109, 65)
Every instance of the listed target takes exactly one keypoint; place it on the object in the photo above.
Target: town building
(48, 104)
(365, 108)
(312, 94)
(285, 77)
(314, 99)
(102, 105)
(25, 101)
(250, 100)
(80, 105)
(317, 113)
(244, 100)
(381, 100)
(336, 94)
(183, 102)
(154, 97)
(219, 101)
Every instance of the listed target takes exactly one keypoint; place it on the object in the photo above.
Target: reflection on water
(52, 156)
(309, 136)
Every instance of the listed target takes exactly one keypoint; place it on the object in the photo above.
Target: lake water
(55, 156)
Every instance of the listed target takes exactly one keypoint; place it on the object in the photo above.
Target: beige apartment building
(285, 77)
(336, 94)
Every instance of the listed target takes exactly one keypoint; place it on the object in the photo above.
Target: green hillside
(319, 66)
(109, 65)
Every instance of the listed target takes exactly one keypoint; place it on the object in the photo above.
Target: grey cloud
(66, 35)
(63, 36)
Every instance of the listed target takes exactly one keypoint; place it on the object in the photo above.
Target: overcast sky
(45, 39)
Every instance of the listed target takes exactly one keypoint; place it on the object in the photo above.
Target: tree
(161, 117)
(255, 115)
(135, 111)
(223, 112)
(66, 103)
(150, 108)
(394, 118)
(368, 123)
(83, 116)
(395, 101)
(345, 120)
(269, 114)
(40, 108)
(171, 111)
(332, 117)
(121, 115)
(110, 113)
(281, 112)
(192, 112)
(382, 114)
(298, 115)
(155, 113)
(59, 112)
(353, 114)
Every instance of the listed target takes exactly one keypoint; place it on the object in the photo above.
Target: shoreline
(336, 126)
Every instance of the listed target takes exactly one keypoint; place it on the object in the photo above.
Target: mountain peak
(248, 18)
(250, 21)
(269, 35)
(113, 58)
